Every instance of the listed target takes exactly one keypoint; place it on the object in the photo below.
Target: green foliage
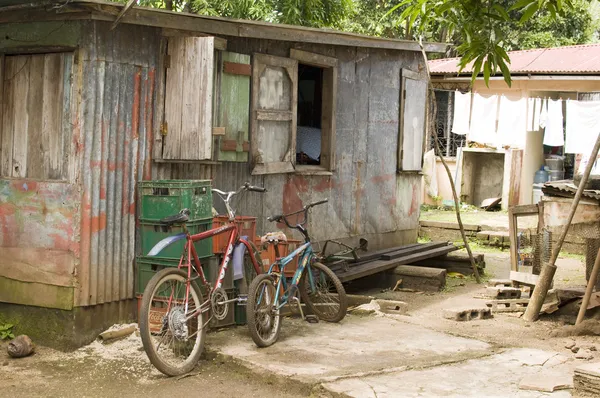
(6, 331)
(484, 29)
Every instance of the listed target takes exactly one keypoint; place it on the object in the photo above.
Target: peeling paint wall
(366, 195)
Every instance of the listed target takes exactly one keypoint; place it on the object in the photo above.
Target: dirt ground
(122, 368)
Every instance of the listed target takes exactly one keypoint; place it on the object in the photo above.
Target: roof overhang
(105, 11)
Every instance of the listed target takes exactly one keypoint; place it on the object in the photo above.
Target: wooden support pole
(590, 288)
(539, 293)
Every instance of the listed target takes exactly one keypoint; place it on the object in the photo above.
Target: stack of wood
(587, 379)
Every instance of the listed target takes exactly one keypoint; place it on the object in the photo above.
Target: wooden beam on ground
(418, 249)
(382, 265)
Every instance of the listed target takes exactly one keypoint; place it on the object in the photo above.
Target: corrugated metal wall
(118, 75)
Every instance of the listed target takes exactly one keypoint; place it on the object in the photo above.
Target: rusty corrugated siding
(119, 70)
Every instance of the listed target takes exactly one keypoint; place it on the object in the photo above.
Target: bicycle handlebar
(226, 196)
(283, 217)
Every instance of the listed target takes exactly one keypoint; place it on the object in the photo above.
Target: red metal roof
(582, 59)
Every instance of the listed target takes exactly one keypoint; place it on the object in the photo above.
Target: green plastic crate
(163, 198)
(153, 232)
(147, 267)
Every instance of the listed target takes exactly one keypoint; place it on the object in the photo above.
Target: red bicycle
(173, 314)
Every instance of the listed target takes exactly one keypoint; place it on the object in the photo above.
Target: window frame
(328, 109)
(404, 75)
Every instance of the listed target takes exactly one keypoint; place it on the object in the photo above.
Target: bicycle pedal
(311, 319)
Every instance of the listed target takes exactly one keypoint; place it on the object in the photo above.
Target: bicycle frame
(305, 254)
(190, 254)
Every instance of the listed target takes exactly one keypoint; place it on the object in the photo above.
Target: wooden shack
(90, 105)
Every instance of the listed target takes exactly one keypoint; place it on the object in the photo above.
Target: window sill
(418, 172)
(312, 171)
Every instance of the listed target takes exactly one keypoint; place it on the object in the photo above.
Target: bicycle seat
(273, 238)
(180, 218)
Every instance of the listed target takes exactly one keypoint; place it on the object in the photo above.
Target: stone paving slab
(325, 352)
(498, 375)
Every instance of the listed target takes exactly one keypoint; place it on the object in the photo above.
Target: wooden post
(588, 291)
(539, 293)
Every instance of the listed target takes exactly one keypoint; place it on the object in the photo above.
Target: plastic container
(541, 176)
(163, 198)
(557, 175)
(153, 232)
(555, 164)
(537, 193)
(247, 226)
(267, 254)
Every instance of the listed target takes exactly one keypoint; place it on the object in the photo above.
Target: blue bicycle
(319, 288)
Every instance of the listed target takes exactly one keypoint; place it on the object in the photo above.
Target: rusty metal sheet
(118, 103)
(560, 60)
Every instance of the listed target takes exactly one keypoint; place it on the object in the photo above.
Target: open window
(187, 128)
(293, 111)
(35, 103)
(411, 136)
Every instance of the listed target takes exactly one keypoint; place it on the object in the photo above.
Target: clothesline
(500, 120)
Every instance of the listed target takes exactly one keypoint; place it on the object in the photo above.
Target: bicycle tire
(338, 312)
(259, 319)
(157, 359)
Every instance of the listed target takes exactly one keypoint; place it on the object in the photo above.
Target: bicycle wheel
(262, 313)
(327, 299)
(172, 344)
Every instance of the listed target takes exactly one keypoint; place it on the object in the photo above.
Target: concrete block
(392, 306)
(467, 314)
(515, 305)
(503, 293)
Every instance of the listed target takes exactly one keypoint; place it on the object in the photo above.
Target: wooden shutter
(413, 104)
(188, 98)
(35, 107)
(274, 100)
(232, 106)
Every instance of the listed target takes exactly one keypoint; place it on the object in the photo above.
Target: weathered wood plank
(20, 92)
(234, 106)
(313, 59)
(191, 90)
(191, 66)
(237, 69)
(206, 48)
(382, 265)
(328, 116)
(275, 80)
(173, 98)
(53, 116)
(449, 225)
(412, 122)
(278, 116)
(411, 250)
(37, 116)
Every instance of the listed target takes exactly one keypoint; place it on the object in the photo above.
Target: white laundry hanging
(534, 108)
(554, 132)
(512, 122)
(583, 125)
(483, 120)
(462, 113)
